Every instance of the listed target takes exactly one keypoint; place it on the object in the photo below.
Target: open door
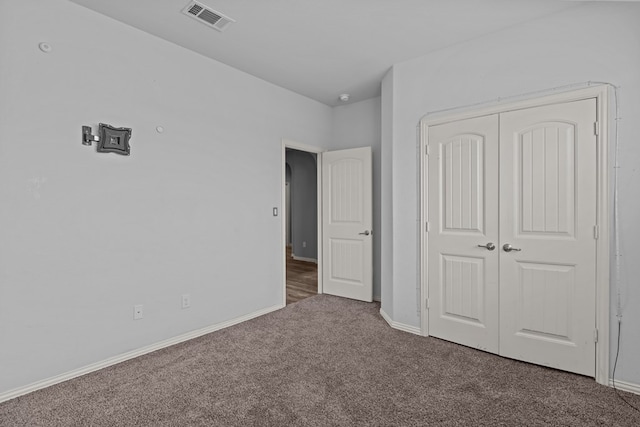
(347, 237)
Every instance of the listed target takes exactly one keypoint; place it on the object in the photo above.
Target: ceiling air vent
(207, 16)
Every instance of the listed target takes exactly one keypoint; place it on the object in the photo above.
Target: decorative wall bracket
(110, 139)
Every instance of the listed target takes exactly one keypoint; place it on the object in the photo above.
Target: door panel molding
(602, 94)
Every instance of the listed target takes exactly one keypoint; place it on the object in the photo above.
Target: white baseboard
(400, 326)
(301, 258)
(11, 394)
(625, 386)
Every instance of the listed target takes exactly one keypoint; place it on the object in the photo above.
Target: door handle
(366, 232)
(489, 246)
(508, 248)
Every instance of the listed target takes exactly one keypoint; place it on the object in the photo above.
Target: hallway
(302, 279)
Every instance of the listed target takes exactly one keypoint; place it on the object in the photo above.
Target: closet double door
(511, 246)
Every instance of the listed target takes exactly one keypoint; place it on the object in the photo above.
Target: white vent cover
(207, 16)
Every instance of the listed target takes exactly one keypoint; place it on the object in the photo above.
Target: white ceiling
(322, 48)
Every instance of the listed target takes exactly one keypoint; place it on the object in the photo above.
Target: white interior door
(346, 223)
(463, 217)
(548, 213)
(524, 180)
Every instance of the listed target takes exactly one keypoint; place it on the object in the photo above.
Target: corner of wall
(386, 192)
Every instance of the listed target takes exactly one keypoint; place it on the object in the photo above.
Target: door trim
(602, 94)
(283, 243)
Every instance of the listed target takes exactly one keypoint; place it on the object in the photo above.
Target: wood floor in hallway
(302, 279)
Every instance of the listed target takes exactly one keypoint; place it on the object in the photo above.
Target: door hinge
(427, 150)
(595, 335)
(426, 226)
(596, 128)
(596, 232)
(426, 303)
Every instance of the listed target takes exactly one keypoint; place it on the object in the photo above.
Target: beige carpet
(324, 361)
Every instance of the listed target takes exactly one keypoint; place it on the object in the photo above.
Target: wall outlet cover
(186, 301)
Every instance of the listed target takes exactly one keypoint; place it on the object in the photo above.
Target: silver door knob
(508, 248)
(366, 232)
(489, 246)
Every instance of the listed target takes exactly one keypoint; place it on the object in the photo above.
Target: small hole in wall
(45, 47)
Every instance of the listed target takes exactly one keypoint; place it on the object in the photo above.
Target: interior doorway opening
(341, 209)
(302, 249)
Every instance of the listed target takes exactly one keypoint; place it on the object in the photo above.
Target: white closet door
(463, 216)
(548, 213)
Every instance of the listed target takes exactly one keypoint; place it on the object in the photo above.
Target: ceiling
(323, 48)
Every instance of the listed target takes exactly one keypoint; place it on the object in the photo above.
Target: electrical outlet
(304, 244)
(186, 301)
(137, 312)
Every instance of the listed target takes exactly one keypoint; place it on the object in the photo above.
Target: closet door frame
(602, 93)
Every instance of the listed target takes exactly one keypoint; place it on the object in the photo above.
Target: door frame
(602, 93)
(286, 143)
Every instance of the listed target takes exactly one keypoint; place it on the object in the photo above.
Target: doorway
(343, 218)
(300, 214)
(514, 200)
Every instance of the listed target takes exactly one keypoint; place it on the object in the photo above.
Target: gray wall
(386, 194)
(358, 125)
(303, 188)
(593, 42)
(84, 236)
